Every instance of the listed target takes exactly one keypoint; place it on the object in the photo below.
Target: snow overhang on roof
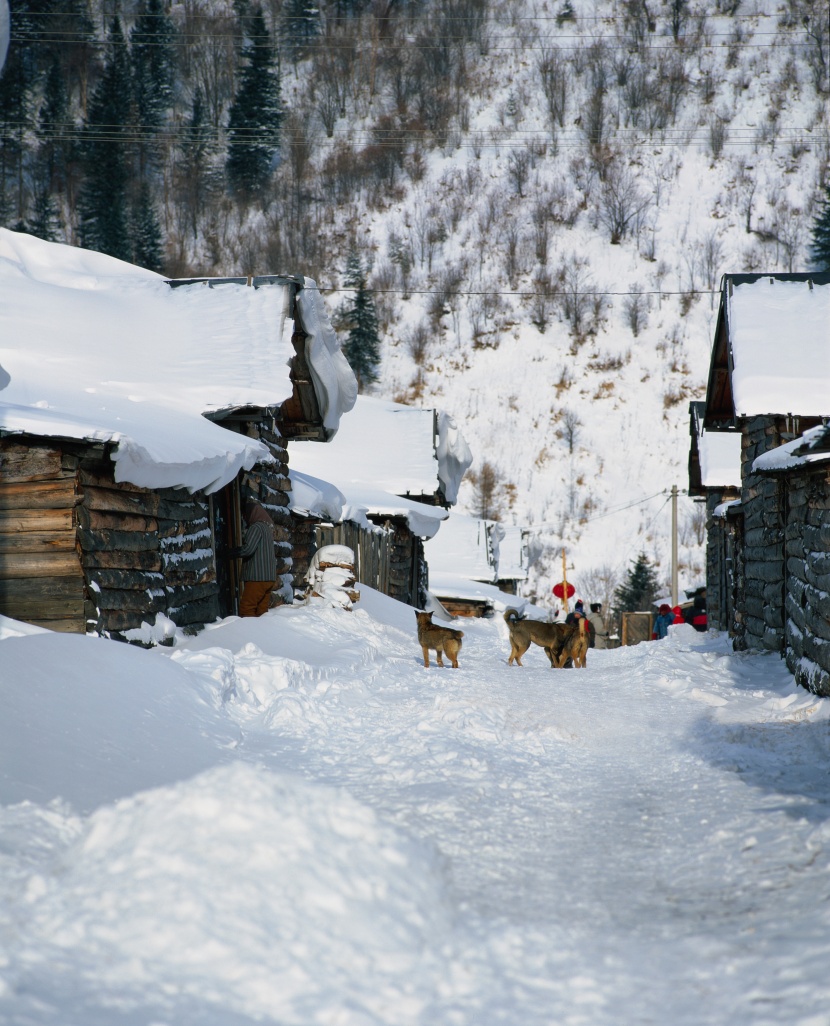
(774, 341)
(809, 448)
(93, 348)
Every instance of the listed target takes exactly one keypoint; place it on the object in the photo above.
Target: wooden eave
(696, 412)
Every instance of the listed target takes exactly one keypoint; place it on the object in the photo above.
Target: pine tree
(191, 173)
(302, 26)
(820, 248)
(53, 131)
(103, 201)
(152, 58)
(639, 591)
(145, 232)
(255, 116)
(362, 348)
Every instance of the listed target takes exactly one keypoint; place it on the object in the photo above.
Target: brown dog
(442, 639)
(576, 646)
(552, 637)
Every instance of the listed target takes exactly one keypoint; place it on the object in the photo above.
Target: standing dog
(552, 637)
(577, 645)
(444, 640)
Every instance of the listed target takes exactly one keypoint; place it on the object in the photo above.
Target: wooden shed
(136, 414)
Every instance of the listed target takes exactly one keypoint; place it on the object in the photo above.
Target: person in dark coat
(259, 563)
(580, 614)
(697, 615)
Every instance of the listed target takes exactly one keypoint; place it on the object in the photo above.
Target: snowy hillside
(570, 355)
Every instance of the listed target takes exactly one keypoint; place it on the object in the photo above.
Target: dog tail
(511, 615)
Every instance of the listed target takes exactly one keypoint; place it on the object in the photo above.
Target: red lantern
(559, 590)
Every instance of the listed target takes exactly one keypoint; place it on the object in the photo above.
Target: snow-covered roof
(392, 448)
(465, 547)
(452, 586)
(779, 333)
(795, 453)
(97, 349)
(310, 495)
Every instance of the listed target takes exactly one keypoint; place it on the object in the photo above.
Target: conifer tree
(145, 232)
(820, 248)
(302, 26)
(255, 116)
(362, 348)
(194, 145)
(639, 590)
(104, 223)
(54, 131)
(152, 60)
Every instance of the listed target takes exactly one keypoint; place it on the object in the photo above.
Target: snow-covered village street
(290, 820)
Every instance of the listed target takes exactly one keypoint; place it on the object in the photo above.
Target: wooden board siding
(41, 580)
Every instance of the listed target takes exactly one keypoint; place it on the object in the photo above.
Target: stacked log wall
(41, 581)
(720, 568)
(760, 621)
(144, 552)
(808, 578)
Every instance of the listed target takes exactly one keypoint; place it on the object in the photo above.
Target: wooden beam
(39, 564)
(42, 598)
(37, 541)
(31, 495)
(35, 520)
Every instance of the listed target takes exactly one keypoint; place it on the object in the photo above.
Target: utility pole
(674, 545)
(564, 584)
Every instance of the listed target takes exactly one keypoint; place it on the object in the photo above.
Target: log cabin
(136, 412)
(769, 381)
(397, 470)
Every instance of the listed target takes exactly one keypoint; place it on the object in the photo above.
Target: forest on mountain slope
(554, 185)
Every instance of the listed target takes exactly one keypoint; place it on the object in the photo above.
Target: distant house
(397, 469)
(464, 565)
(715, 478)
(513, 559)
(769, 381)
(134, 413)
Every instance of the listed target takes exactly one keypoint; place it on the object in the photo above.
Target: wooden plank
(131, 601)
(39, 564)
(117, 541)
(103, 478)
(126, 579)
(31, 495)
(101, 520)
(35, 520)
(146, 560)
(28, 462)
(43, 598)
(37, 541)
(69, 625)
(120, 499)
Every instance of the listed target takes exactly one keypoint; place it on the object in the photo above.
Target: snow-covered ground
(290, 820)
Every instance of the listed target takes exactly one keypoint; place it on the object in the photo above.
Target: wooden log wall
(303, 547)
(761, 623)
(808, 578)
(144, 552)
(41, 580)
(720, 575)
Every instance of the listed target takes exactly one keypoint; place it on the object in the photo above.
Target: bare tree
(571, 426)
(621, 202)
(635, 309)
(553, 72)
(518, 168)
(488, 487)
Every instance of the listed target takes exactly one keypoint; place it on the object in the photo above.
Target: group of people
(695, 615)
(597, 628)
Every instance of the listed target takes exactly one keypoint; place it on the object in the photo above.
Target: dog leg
(426, 655)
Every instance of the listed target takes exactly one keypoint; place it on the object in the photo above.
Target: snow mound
(313, 902)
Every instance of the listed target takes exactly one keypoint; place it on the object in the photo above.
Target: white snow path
(645, 841)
